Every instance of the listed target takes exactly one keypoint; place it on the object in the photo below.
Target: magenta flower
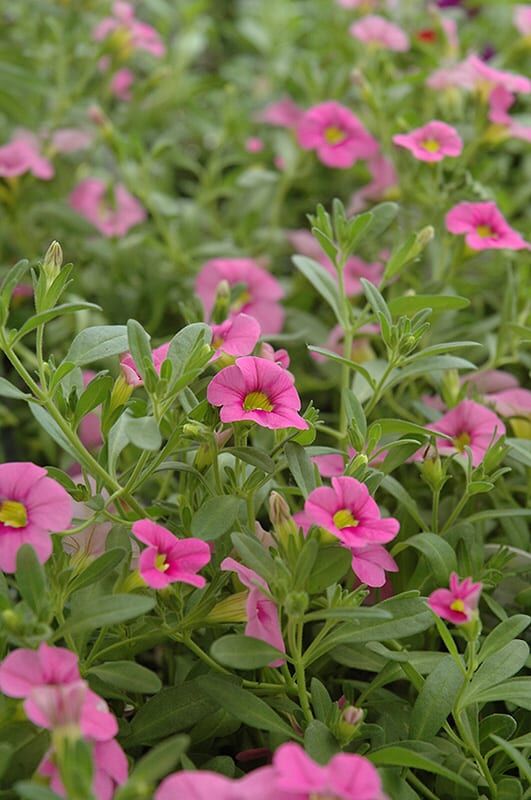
(484, 226)
(257, 292)
(22, 155)
(236, 336)
(522, 19)
(459, 603)
(205, 785)
(70, 140)
(121, 83)
(110, 770)
(500, 101)
(363, 4)
(254, 144)
(130, 369)
(347, 511)
(262, 614)
(384, 180)
(282, 113)
(280, 356)
(370, 564)
(491, 77)
(257, 390)
(89, 200)
(470, 425)
(332, 465)
(141, 36)
(336, 134)
(168, 559)
(432, 142)
(379, 31)
(32, 505)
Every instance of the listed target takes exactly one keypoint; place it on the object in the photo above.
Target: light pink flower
(205, 785)
(254, 144)
(280, 357)
(110, 770)
(459, 75)
(89, 200)
(484, 227)
(522, 19)
(32, 505)
(473, 73)
(384, 178)
(141, 35)
(262, 614)
(500, 101)
(257, 390)
(121, 83)
(332, 465)
(282, 113)
(511, 402)
(90, 426)
(70, 140)
(347, 511)
(22, 291)
(469, 424)
(130, 369)
(432, 142)
(22, 155)
(363, 4)
(491, 380)
(377, 30)
(336, 134)
(459, 603)
(168, 559)
(236, 336)
(258, 291)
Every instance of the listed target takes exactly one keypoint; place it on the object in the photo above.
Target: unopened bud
(52, 262)
(432, 470)
(121, 392)
(222, 303)
(280, 516)
(296, 604)
(263, 536)
(349, 723)
(425, 236)
(12, 620)
(231, 609)
(451, 387)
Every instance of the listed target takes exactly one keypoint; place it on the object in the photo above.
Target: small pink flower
(70, 140)
(432, 142)
(141, 35)
(347, 511)
(22, 155)
(168, 559)
(258, 291)
(32, 505)
(470, 425)
(459, 603)
(254, 144)
(384, 179)
(22, 291)
(379, 31)
(500, 101)
(205, 785)
(522, 19)
(332, 465)
(460, 75)
(491, 380)
(370, 564)
(262, 614)
(130, 369)
(121, 83)
(490, 76)
(511, 402)
(236, 336)
(336, 134)
(283, 113)
(89, 200)
(110, 770)
(257, 390)
(90, 426)
(280, 357)
(484, 227)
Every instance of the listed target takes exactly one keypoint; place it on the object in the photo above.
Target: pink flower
(110, 770)
(168, 559)
(363, 4)
(205, 785)
(32, 505)
(262, 614)
(376, 30)
(280, 357)
(121, 83)
(257, 390)
(332, 465)
(348, 511)
(492, 77)
(89, 200)
(90, 426)
(236, 336)
(470, 425)
(460, 75)
(522, 19)
(130, 369)
(336, 134)
(484, 227)
(384, 178)
(370, 564)
(491, 380)
(511, 402)
(500, 100)
(254, 144)
(283, 113)
(459, 603)
(257, 295)
(22, 155)
(70, 140)
(141, 35)
(432, 142)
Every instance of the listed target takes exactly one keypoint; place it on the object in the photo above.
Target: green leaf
(159, 761)
(238, 651)
(321, 700)
(319, 742)
(143, 432)
(301, 467)
(442, 348)
(355, 412)
(8, 390)
(97, 569)
(244, 705)
(439, 554)
(254, 456)
(395, 755)
(332, 564)
(188, 354)
(139, 346)
(403, 426)
(12, 277)
(376, 300)
(106, 610)
(425, 366)
(520, 450)
(516, 757)
(503, 634)
(28, 790)
(100, 341)
(410, 304)
(515, 690)
(397, 491)
(128, 675)
(172, 710)
(6, 751)
(94, 395)
(216, 516)
(52, 429)
(436, 699)
(341, 360)
(46, 316)
(322, 282)
(496, 668)
(31, 580)
(382, 216)
(254, 555)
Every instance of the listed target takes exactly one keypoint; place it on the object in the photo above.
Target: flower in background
(262, 614)
(121, 83)
(32, 505)
(280, 356)
(254, 291)
(236, 336)
(500, 101)
(110, 770)
(362, 4)
(283, 113)
(432, 142)
(336, 134)
(484, 227)
(361, 349)
(89, 199)
(471, 425)
(522, 19)
(141, 36)
(384, 182)
(254, 144)
(375, 30)
(332, 465)
(90, 426)
(168, 559)
(70, 140)
(130, 369)
(459, 603)
(257, 390)
(22, 155)
(474, 73)
(206, 785)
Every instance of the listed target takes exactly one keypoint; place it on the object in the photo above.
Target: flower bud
(296, 604)
(121, 392)
(231, 609)
(222, 303)
(280, 516)
(349, 723)
(451, 387)
(432, 470)
(52, 263)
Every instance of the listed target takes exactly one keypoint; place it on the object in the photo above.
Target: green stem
(435, 510)
(295, 644)
(455, 513)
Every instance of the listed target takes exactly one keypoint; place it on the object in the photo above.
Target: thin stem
(455, 513)
(435, 510)
(295, 643)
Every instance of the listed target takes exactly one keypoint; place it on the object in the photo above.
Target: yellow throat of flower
(485, 231)
(13, 514)
(257, 401)
(344, 519)
(457, 605)
(431, 145)
(461, 441)
(160, 563)
(334, 135)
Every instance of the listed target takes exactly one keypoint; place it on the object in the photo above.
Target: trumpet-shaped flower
(432, 142)
(370, 564)
(471, 425)
(237, 336)
(22, 155)
(141, 36)
(375, 30)
(484, 227)
(167, 559)
(89, 200)
(457, 604)
(336, 134)
(282, 113)
(32, 505)
(110, 770)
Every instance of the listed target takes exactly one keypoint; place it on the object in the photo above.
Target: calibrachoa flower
(484, 227)
(70, 140)
(336, 134)
(283, 113)
(206, 785)
(370, 564)
(379, 31)
(500, 101)
(89, 200)
(470, 425)
(254, 144)
(121, 83)
(474, 73)
(236, 336)
(110, 770)
(459, 603)
(32, 505)
(432, 142)
(257, 390)
(511, 402)
(22, 155)
(168, 559)
(384, 182)
(130, 369)
(280, 356)
(258, 292)
(522, 19)
(141, 35)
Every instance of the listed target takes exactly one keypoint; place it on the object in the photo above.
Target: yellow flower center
(334, 135)
(344, 519)
(255, 401)
(240, 300)
(13, 514)
(485, 231)
(217, 341)
(160, 563)
(431, 145)
(457, 605)
(319, 796)
(461, 441)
